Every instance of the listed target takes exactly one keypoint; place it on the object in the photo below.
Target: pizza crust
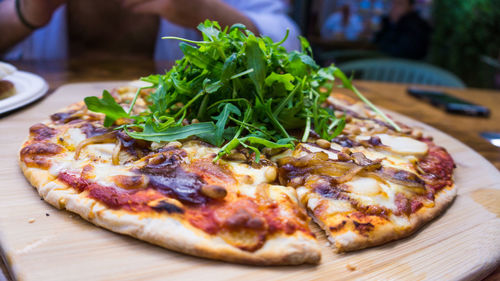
(171, 233)
(351, 241)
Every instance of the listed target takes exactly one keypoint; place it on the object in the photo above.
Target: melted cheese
(364, 186)
(338, 206)
(104, 172)
(102, 151)
(72, 137)
(403, 145)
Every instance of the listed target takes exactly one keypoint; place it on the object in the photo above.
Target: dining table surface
(391, 96)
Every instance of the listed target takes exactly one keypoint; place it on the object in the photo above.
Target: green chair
(401, 71)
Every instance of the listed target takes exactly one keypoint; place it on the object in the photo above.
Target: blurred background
(446, 42)
(458, 36)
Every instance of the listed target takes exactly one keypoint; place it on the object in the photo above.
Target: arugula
(243, 90)
(108, 106)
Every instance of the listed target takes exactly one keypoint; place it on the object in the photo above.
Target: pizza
(7, 88)
(235, 153)
(367, 186)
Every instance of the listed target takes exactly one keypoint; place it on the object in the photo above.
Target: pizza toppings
(105, 138)
(38, 154)
(214, 191)
(403, 145)
(436, 167)
(131, 182)
(41, 132)
(402, 177)
(164, 205)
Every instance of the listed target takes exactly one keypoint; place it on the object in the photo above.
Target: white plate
(29, 87)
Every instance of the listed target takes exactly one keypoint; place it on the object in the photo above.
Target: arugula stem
(277, 124)
(284, 38)
(282, 104)
(221, 53)
(185, 107)
(241, 73)
(243, 123)
(185, 40)
(308, 120)
(374, 108)
(229, 100)
(307, 129)
(334, 123)
(135, 98)
(203, 107)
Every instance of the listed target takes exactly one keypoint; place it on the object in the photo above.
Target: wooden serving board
(463, 243)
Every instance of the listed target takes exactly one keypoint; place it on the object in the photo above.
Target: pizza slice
(371, 184)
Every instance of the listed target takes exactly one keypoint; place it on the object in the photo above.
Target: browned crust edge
(169, 232)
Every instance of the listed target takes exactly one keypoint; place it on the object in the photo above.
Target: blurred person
(343, 24)
(403, 33)
(39, 29)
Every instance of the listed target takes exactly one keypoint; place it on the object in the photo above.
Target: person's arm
(191, 13)
(35, 12)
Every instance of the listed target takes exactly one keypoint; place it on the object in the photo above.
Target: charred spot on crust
(362, 227)
(35, 154)
(338, 226)
(168, 207)
(41, 131)
(370, 210)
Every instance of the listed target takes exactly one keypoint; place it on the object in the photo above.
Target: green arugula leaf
(222, 118)
(173, 133)
(108, 106)
(256, 60)
(286, 79)
(270, 144)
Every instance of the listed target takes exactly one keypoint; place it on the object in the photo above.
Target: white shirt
(51, 42)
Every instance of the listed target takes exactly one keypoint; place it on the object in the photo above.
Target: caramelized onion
(350, 174)
(115, 158)
(368, 165)
(402, 177)
(106, 138)
(319, 164)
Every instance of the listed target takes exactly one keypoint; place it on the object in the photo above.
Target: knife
(492, 137)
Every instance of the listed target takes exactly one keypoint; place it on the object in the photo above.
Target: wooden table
(389, 96)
